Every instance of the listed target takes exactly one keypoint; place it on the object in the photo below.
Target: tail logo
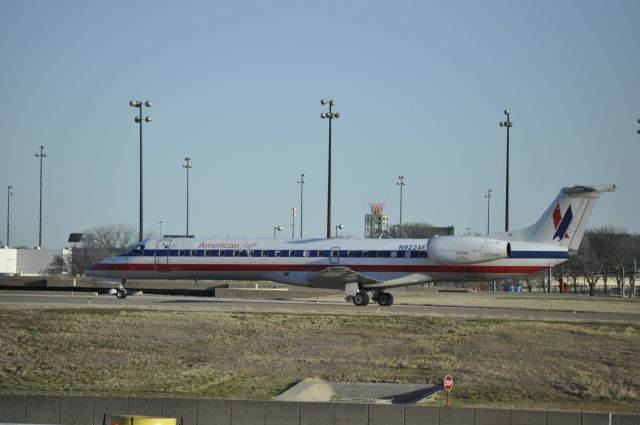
(561, 223)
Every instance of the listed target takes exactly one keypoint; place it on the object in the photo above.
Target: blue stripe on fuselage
(539, 254)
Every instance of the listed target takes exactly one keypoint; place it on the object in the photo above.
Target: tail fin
(564, 222)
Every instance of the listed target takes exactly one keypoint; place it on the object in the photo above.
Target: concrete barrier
(214, 412)
(91, 411)
(589, 418)
(12, 408)
(629, 419)
(147, 406)
(108, 406)
(41, 409)
(183, 409)
(351, 414)
(563, 418)
(282, 413)
(316, 413)
(456, 415)
(386, 414)
(247, 412)
(528, 417)
(492, 417)
(76, 410)
(421, 415)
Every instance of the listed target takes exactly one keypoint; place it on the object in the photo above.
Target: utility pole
(188, 166)
(508, 124)
(138, 104)
(41, 155)
(293, 221)
(400, 183)
(488, 197)
(9, 194)
(330, 116)
(301, 182)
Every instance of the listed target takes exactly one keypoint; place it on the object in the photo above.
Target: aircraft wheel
(385, 299)
(361, 299)
(121, 294)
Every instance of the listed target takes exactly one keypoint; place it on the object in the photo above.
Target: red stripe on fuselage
(315, 268)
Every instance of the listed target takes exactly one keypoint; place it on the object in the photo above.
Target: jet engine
(453, 250)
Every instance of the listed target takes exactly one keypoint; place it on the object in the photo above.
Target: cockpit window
(135, 250)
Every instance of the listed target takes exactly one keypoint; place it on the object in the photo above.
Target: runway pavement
(227, 304)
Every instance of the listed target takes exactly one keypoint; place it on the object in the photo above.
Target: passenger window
(277, 254)
(221, 253)
(236, 253)
(365, 253)
(292, 253)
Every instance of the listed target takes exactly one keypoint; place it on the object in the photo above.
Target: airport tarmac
(57, 299)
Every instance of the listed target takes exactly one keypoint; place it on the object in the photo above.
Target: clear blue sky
(420, 85)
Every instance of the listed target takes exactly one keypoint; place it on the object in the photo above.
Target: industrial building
(29, 262)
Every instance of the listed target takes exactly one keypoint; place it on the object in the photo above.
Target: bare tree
(97, 243)
(605, 241)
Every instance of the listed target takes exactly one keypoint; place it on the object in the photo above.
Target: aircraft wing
(338, 276)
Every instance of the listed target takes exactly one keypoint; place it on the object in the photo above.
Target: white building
(29, 262)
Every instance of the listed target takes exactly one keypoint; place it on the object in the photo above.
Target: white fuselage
(403, 261)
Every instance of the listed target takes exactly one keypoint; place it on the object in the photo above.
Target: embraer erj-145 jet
(363, 268)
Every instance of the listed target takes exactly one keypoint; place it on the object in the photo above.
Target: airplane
(363, 268)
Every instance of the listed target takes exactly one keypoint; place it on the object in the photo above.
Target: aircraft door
(334, 255)
(161, 259)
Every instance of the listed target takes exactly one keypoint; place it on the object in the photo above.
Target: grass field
(198, 353)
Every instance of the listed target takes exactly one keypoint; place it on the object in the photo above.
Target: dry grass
(104, 351)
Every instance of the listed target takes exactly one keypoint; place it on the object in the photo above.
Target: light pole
(278, 229)
(339, 226)
(488, 197)
(138, 104)
(160, 223)
(330, 116)
(508, 124)
(400, 183)
(40, 155)
(293, 221)
(301, 182)
(9, 194)
(188, 166)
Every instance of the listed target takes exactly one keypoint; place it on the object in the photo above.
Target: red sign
(448, 383)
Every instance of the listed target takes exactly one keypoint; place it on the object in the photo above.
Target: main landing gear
(384, 299)
(121, 293)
